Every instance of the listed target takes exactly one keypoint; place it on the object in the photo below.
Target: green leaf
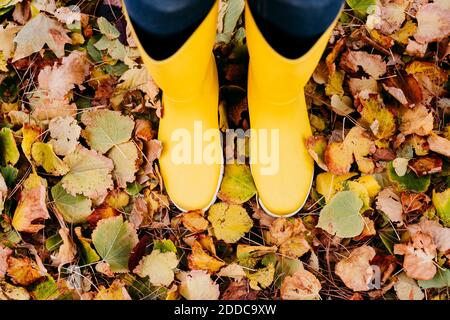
(165, 245)
(54, 242)
(440, 280)
(114, 240)
(106, 128)
(237, 185)
(342, 216)
(74, 209)
(47, 290)
(8, 147)
(107, 28)
(361, 7)
(410, 181)
(88, 253)
(9, 173)
(134, 188)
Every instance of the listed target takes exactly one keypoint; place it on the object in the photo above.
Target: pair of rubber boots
(192, 162)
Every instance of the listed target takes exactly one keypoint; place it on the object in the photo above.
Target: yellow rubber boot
(191, 162)
(279, 121)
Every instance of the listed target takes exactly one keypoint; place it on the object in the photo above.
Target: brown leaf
(240, 290)
(302, 285)
(426, 165)
(355, 270)
(419, 253)
(194, 221)
(372, 64)
(412, 202)
(439, 144)
(4, 255)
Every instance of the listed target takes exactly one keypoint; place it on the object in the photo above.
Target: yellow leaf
(45, 157)
(200, 260)
(30, 135)
(230, 222)
(262, 278)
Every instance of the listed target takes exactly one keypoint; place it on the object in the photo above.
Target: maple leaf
(106, 128)
(197, 285)
(32, 205)
(229, 221)
(39, 31)
(89, 173)
(355, 270)
(159, 267)
(114, 239)
(302, 285)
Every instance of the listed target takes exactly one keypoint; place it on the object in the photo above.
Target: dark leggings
(290, 26)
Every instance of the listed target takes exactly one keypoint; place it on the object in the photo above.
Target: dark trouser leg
(164, 25)
(292, 27)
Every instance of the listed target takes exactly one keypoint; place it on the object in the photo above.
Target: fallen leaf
(8, 148)
(389, 203)
(302, 285)
(316, 146)
(440, 235)
(45, 157)
(194, 221)
(372, 64)
(200, 260)
(64, 133)
(262, 278)
(239, 290)
(229, 221)
(116, 291)
(74, 209)
(89, 175)
(341, 216)
(355, 270)
(106, 129)
(441, 201)
(432, 22)
(407, 288)
(159, 267)
(418, 121)
(114, 239)
(197, 285)
(32, 205)
(237, 184)
(5, 253)
(439, 144)
(125, 158)
(23, 271)
(39, 31)
(419, 256)
(67, 251)
(233, 271)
